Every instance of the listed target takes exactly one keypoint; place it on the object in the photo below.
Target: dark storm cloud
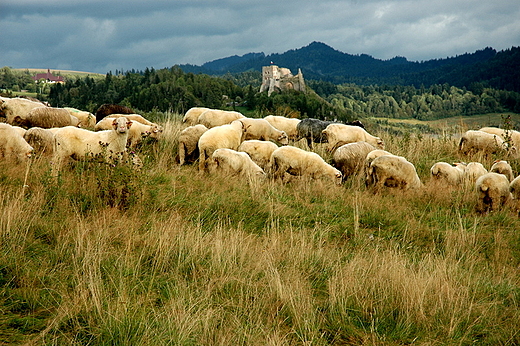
(99, 36)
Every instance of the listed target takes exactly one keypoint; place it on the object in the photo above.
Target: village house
(48, 77)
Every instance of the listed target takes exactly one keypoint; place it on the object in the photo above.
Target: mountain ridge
(319, 61)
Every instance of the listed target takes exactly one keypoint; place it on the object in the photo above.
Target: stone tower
(276, 78)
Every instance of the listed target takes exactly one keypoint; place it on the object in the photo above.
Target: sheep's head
(121, 124)
(283, 139)
(156, 131)
(338, 177)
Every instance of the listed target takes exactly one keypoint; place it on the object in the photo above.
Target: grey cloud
(99, 36)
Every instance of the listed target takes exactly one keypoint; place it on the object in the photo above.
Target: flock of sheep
(229, 142)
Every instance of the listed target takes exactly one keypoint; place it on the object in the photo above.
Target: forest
(174, 90)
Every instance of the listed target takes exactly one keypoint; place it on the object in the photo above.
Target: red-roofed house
(49, 77)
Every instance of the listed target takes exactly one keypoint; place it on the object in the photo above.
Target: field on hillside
(61, 72)
(171, 256)
(452, 125)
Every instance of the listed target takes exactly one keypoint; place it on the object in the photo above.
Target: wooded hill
(318, 61)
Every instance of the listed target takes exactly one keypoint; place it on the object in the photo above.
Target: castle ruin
(276, 78)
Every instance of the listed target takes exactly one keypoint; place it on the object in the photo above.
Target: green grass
(170, 256)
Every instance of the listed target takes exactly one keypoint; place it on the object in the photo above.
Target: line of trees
(172, 89)
(437, 101)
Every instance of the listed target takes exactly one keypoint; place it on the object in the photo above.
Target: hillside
(321, 62)
(167, 255)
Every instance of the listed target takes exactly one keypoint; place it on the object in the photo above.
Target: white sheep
(225, 136)
(42, 140)
(47, 117)
(339, 134)
(447, 173)
(288, 125)
(86, 119)
(134, 117)
(261, 129)
(503, 167)
(298, 162)
(259, 151)
(512, 134)
(473, 142)
(13, 147)
(188, 143)
(371, 156)
(394, 172)
(350, 158)
(21, 131)
(514, 188)
(230, 161)
(137, 132)
(108, 146)
(472, 172)
(493, 192)
(216, 117)
(17, 107)
(192, 115)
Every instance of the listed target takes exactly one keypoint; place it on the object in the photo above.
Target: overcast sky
(105, 35)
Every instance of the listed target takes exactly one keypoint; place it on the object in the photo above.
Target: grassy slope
(171, 256)
(61, 72)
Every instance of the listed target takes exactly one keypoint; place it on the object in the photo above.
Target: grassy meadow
(170, 256)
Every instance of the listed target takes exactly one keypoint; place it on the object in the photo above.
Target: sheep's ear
(129, 123)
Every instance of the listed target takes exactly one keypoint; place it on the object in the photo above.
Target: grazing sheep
(261, 129)
(338, 134)
(371, 156)
(108, 146)
(42, 140)
(188, 143)
(109, 109)
(350, 158)
(394, 172)
(10, 108)
(216, 117)
(514, 188)
(47, 117)
(312, 130)
(12, 145)
(288, 125)
(504, 134)
(298, 162)
(225, 136)
(473, 142)
(259, 151)
(192, 115)
(472, 172)
(493, 192)
(134, 117)
(137, 132)
(450, 174)
(234, 162)
(503, 167)
(86, 119)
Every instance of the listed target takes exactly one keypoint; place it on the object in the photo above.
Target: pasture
(171, 256)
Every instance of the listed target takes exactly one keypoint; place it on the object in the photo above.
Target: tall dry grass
(169, 256)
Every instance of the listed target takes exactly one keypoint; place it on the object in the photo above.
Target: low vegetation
(170, 256)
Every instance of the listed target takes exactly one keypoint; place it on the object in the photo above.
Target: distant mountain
(319, 61)
(224, 63)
